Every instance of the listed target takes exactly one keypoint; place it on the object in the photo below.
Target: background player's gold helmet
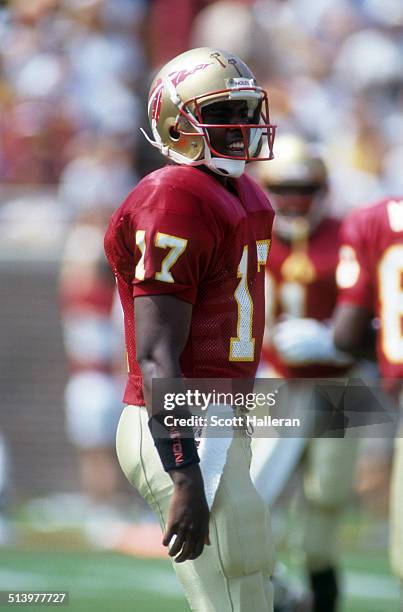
(184, 86)
(297, 164)
(297, 181)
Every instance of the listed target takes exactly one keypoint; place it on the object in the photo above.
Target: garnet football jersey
(180, 232)
(370, 275)
(301, 282)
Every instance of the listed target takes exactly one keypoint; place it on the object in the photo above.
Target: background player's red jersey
(301, 282)
(370, 275)
(180, 232)
(87, 290)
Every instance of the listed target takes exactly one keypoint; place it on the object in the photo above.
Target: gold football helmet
(297, 182)
(184, 87)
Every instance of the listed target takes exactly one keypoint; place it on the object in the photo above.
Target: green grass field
(105, 581)
(95, 581)
(99, 582)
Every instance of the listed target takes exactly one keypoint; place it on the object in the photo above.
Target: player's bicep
(162, 330)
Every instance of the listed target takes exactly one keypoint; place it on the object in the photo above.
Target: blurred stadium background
(74, 76)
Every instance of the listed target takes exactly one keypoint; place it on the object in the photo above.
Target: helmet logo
(178, 76)
(155, 100)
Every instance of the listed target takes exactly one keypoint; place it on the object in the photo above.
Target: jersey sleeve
(164, 246)
(353, 270)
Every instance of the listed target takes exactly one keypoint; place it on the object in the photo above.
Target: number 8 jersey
(370, 275)
(180, 232)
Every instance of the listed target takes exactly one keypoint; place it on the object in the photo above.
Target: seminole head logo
(176, 77)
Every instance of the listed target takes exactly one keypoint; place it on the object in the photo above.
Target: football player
(369, 277)
(301, 283)
(189, 247)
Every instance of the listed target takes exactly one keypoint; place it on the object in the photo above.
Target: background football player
(369, 277)
(301, 283)
(190, 244)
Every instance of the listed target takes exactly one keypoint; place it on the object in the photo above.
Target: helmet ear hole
(174, 134)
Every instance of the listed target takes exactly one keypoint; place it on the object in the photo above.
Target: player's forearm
(175, 444)
(154, 365)
(352, 330)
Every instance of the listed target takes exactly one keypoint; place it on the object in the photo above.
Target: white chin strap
(231, 167)
(227, 167)
(222, 165)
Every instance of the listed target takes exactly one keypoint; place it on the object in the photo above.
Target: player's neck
(224, 180)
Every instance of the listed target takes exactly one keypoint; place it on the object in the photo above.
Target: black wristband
(175, 444)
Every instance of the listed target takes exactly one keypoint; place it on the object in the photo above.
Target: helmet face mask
(251, 130)
(186, 90)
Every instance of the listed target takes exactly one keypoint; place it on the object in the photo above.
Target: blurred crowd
(69, 76)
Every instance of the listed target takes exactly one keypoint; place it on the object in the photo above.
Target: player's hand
(306, 341)
(188, 516)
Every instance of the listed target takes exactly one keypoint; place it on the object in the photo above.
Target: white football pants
(232, 574)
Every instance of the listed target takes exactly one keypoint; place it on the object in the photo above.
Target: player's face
(295, 201)
(230, 141)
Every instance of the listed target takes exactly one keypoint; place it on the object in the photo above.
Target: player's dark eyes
(216, 115)
(218, 118)
(225, 115)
